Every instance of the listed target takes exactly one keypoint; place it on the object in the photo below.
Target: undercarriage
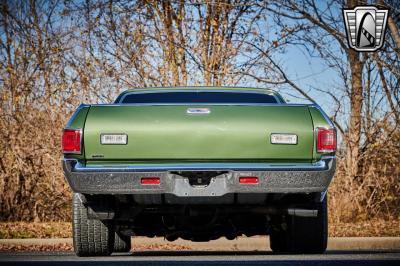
(199, 219)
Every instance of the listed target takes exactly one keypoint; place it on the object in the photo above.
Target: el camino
(199, 163)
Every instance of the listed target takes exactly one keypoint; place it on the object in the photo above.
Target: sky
(308, 73)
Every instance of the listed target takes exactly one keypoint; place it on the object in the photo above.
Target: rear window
(198, 97)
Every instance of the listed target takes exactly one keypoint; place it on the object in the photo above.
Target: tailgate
(168, 132)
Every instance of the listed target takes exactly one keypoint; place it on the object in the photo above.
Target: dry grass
(374, 227)
(35, 230)
(44, 248)
(374, 192)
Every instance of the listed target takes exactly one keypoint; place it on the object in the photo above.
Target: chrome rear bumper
(272, 178)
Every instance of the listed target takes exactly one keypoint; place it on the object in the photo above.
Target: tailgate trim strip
(321, 165)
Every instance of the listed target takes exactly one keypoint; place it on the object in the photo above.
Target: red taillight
(71, 141)
(326, 140)
(248, 180)
(150, 181)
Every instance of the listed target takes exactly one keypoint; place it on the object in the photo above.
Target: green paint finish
(227, 133)
(78, 119)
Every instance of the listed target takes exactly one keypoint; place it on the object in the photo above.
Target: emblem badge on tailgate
(198, 111)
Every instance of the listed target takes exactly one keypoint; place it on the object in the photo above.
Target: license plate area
(199, 178)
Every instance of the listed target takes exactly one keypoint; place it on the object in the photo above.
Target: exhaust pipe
(178, 210)
(302, 212)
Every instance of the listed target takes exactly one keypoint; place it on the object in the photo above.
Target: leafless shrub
(375, 191)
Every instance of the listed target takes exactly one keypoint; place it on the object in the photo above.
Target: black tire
(303, 234)
(122, 243)
(91, 237)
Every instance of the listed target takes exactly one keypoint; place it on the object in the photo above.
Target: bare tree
(33, 83)
(318, 28)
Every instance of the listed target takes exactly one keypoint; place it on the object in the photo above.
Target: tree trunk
(394, 30)
(395, 33)
(356, 103)
(171, 46)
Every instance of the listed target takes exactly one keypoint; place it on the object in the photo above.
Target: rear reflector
(150, 181)
(71, 141)
(248, 180)
(326, 139)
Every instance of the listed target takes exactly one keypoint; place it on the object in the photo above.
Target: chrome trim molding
(278, 143)
(200, 104)
(120, 134)
(271, 93)
(272, 178)
(198, 111)
(321, 165)
(323, 195)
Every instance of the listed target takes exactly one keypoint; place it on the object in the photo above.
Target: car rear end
(201, 164)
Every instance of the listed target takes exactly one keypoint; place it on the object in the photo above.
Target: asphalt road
(197, 258)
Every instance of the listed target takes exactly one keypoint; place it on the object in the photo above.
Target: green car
(199, 163)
